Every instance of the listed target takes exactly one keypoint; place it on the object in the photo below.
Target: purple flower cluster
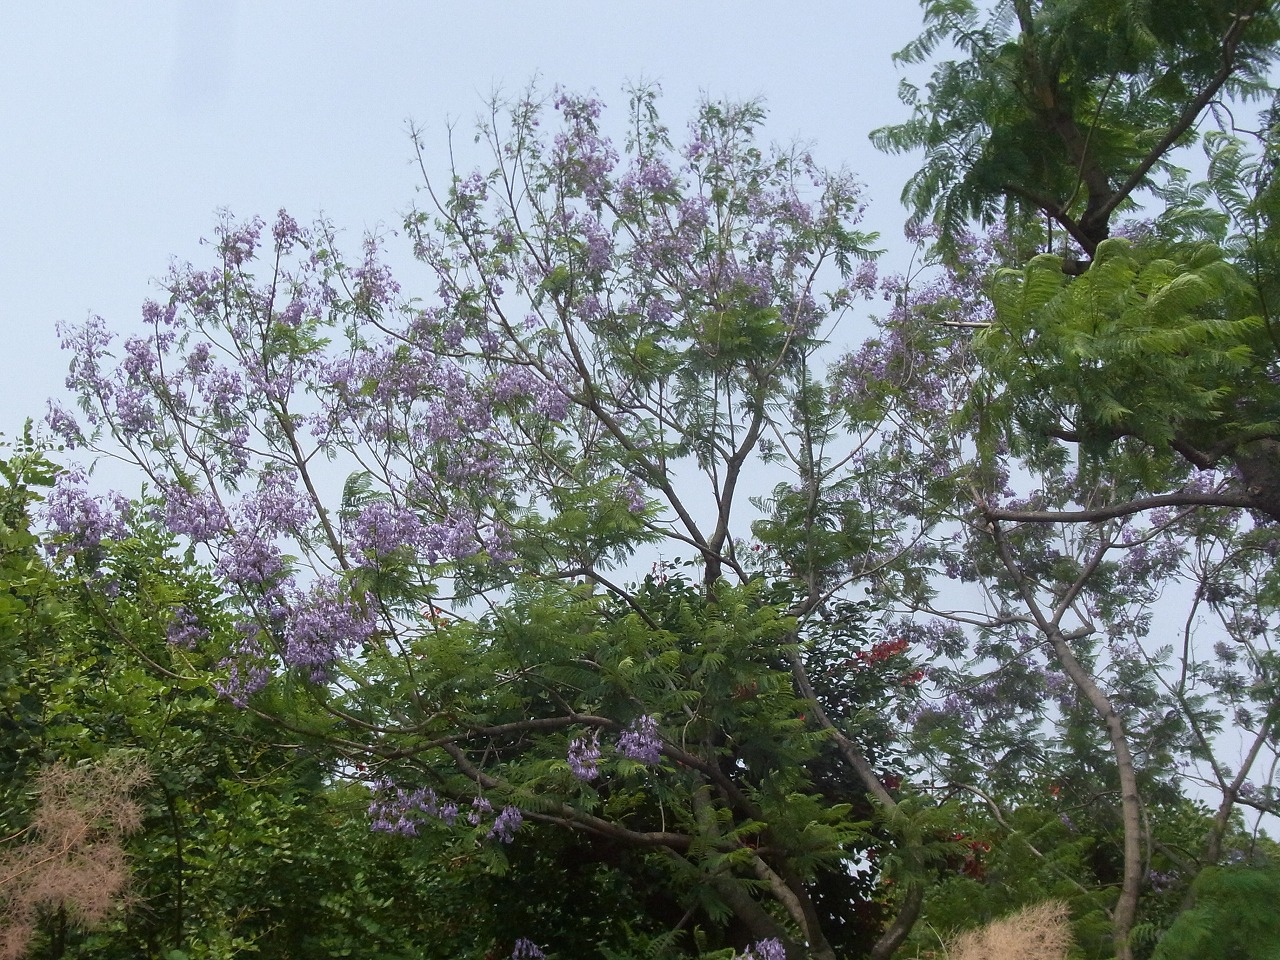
(237, 243)
(506, 824)
(246, 665)
(527, 950)
(1161, 881)
(584, 757)
(583, 157)
(1150, 556)
(375, 287)
(88, 345)
(952, 709)
(322, 624)
(277, 507)
(479, 807)
(194, 514)
(81, 519)
(381, 529)
(64, 426)
(394, 809)
(770, 949)
(185, 629)
(942, 638)
(641, 741)
(286, 232)
(250, 563)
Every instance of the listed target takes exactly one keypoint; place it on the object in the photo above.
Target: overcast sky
(127, 125)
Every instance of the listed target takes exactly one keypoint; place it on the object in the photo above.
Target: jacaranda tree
(418, 508)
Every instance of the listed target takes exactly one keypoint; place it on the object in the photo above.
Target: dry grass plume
(1041, 932)
(70, 858)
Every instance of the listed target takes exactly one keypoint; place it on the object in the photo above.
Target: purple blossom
(140, 359)
(155, 315)
(246, 666)
(375, 285)
(199, 359)
(633, 496)
(866, 277)
(583, 157)
(277, 507)
(1160, 881)
(552, 402)
(185, 629)
(479, 807)
(234, 455)
(64, 426)
(471, 190)
(526, 950)
(381, 529)
(513, 382)
(223, 390)
(454, 539)
(649, 176)
(291, 316)
(83, 519)
(88, 345)
(507, 823)
(247, 560)
(133, 412)
(237, 243)
(953, 709)
(770, 949)
(286, 231)
(584, 757)
(394, 809)
(641, 742)
(599, 244)
(324, 623)
(197, 515)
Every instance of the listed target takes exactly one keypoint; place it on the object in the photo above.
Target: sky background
(128, 125)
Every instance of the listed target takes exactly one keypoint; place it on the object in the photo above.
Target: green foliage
(247, 844)
(1141, 345)
(1234, 917)
(1063, 109)
(715, 666)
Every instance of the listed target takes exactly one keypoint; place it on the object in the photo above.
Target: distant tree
(1233, 917)
(1068, 110)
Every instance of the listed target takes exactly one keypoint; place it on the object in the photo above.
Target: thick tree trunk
(1259, 466)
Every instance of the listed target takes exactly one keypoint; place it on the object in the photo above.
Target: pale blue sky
(128, 124)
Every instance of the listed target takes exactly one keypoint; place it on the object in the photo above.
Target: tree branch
(1183, 498)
